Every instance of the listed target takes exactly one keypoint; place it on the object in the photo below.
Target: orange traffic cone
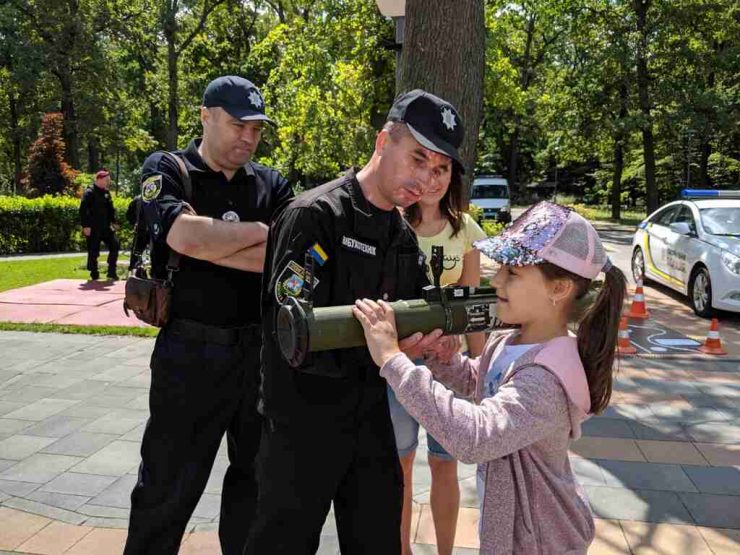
(713, 345)
(624, 346)
(638, 308)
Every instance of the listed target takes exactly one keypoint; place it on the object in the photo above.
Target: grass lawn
(604, 213)
(84, 330)
(19, 273)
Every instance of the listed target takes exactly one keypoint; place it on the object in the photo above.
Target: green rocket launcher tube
(302, 329)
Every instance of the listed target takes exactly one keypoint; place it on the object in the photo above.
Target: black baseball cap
(434, 122)
(238, 96)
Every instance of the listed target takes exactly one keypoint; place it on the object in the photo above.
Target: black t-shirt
(361, 251)
(203, 291)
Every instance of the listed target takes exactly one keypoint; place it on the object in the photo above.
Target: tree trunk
(444, 53)
(172, 96)
(643, 93)
(93, 155)
(514, 160)
(71, 137)
(15, 135)
(619, 137)
(704, 152)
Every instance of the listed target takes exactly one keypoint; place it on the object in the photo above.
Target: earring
(554, 302)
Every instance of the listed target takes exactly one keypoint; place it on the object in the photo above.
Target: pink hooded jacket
(532, 502)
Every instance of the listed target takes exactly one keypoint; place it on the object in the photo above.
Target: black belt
(191, 329)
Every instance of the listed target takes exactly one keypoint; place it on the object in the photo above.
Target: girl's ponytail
(597, 338)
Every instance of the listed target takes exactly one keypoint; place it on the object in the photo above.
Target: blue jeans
(406, 430)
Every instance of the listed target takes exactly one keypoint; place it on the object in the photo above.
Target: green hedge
(49, 224)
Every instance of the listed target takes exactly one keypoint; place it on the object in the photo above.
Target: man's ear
(381, 140)
(205, 115)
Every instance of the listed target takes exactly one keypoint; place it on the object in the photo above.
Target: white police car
(693, 246)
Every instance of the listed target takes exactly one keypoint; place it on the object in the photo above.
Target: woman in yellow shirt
(439, 219)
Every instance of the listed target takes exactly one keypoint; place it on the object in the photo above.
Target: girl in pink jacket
(532, 387)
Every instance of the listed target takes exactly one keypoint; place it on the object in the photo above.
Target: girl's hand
(446, 348)
(379, 323)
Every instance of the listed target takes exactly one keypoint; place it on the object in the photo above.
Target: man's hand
(86, 231)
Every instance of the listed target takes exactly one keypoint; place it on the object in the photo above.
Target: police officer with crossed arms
(205, 364)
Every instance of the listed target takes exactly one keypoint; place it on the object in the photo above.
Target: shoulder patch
(151, 187)
(290, 282)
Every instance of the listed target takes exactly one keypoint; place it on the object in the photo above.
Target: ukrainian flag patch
(319, 254)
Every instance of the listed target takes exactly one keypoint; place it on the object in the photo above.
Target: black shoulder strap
(173, 262)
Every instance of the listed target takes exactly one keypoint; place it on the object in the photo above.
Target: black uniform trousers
(306, 463)
(93, 250)
(205, 382)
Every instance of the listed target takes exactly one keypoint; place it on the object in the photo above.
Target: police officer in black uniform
(97, 217)
(205, 364)
(328, 435)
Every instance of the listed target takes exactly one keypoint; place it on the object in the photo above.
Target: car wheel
(700, 292)
(638, 265)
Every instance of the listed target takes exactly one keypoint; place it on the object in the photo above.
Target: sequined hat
(549, 232)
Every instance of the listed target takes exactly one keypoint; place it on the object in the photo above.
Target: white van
(491, 193)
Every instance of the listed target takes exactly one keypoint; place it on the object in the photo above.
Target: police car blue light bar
(709, 193)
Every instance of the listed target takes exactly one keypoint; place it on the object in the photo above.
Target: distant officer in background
(205, 364)
(98, 220)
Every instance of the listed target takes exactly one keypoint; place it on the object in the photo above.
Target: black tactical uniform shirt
(359, 251)
(206, 292)
(96, 209)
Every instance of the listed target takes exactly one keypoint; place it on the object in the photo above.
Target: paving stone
(607, 427)
(115, 459)
(84, 410)
(79, 444)
(671, 452)
(664, 538)
(644, 505)
(17, 489)
(4, 463)
(81, 390)
(641, 475)
(19, 447)
(10, 426)
(720, 454)
(659, 430)
(587, 472)
(721, 511)
(722, 480)
(110, 424)
(39, 468)
(117, 494)
(18, 526)
(98, 522)
(100, 541)
(56, 426)
(58, 381)
(74, 483)
(61, 500)
(57, 537)
(722, 541)
(118, 373)
(715, 432)
(681, 415)
(9, 406)
(102, 511)
(135, 435)
(204, 526)
(622, 449)
(626, 412)
(208, 507)
(41, 409)
(41, 509)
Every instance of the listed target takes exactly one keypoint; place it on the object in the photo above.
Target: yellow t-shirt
(455, 248)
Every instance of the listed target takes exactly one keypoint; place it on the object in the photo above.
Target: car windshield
(489, 191)
(721, 221)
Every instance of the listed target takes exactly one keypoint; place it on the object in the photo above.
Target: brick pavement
(661, 466)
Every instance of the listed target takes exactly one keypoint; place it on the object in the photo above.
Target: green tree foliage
(48, 172)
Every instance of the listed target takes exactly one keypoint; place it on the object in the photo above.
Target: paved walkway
(661, 467)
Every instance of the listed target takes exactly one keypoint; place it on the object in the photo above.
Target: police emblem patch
(290, 282)
(255, 99)
(230, 216)
(151, 188)
(448, 119)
